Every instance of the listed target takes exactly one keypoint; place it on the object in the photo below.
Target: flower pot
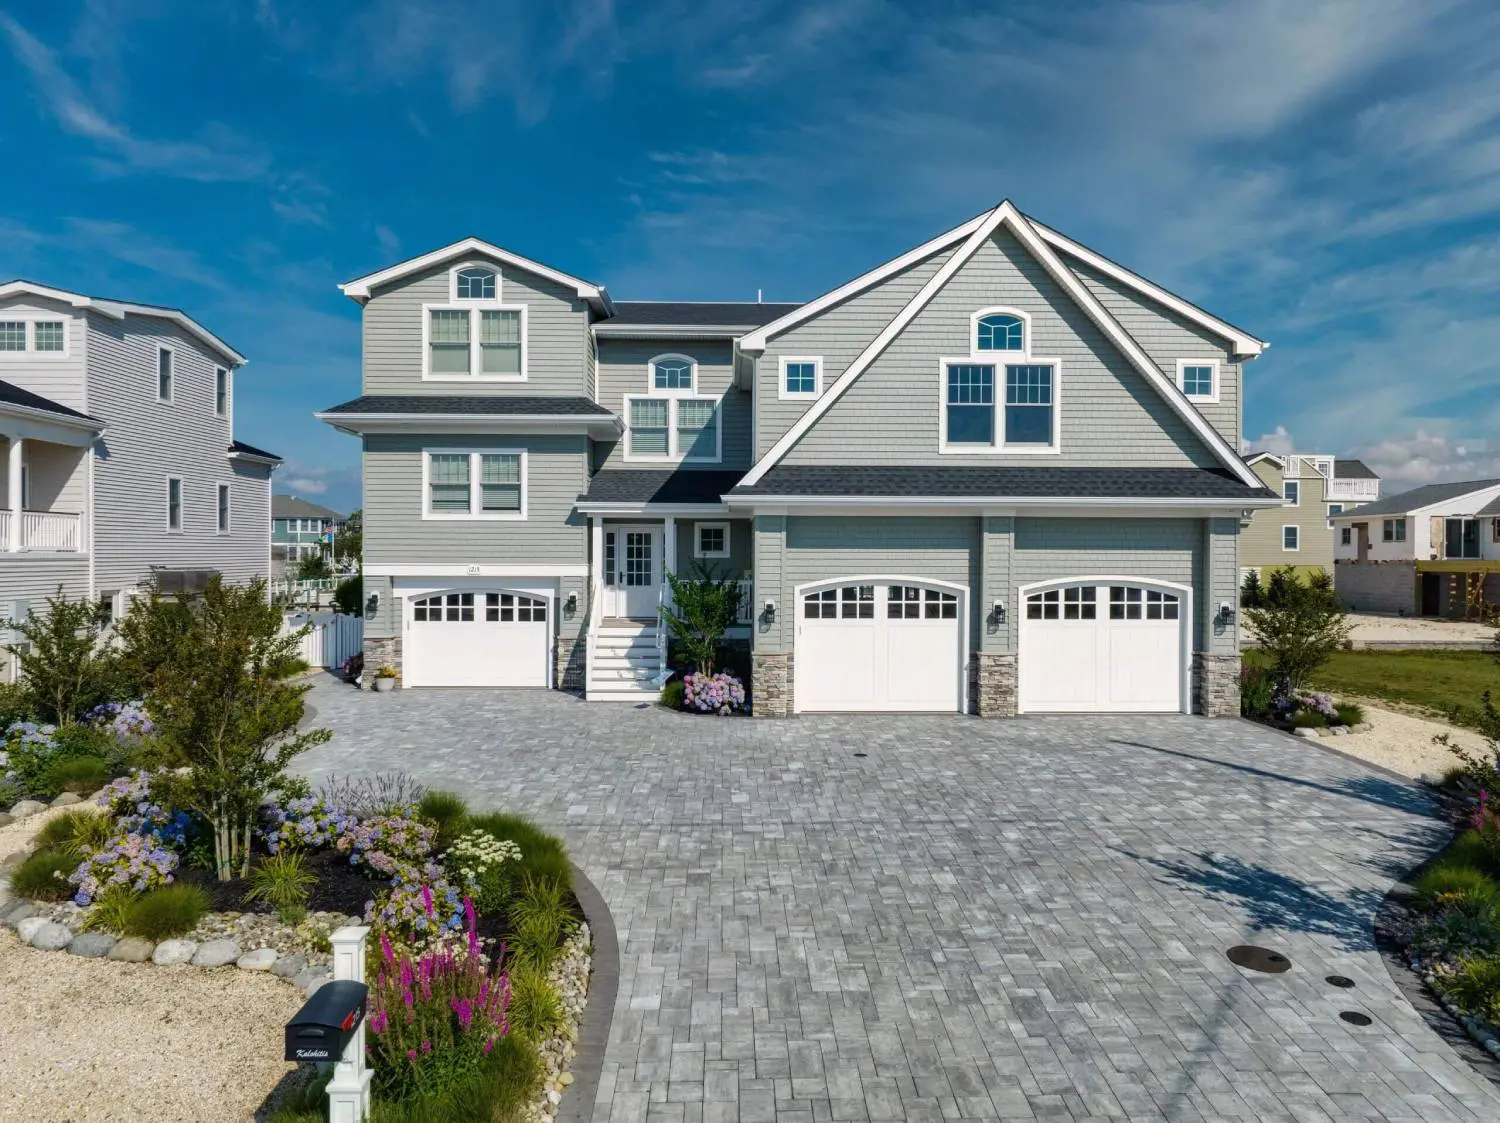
(384, 685)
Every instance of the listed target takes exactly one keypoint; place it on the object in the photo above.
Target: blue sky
(1325, 174)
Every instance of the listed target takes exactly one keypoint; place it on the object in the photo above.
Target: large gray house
(996, 474)
(120, 466)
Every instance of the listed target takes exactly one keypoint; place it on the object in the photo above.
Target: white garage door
(1103, 647)
(878, 646)
(476, 639)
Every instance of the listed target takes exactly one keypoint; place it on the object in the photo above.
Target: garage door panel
(476, 639)
(1059, 671)
(1144, 668)
(921, 658)
(836, 666)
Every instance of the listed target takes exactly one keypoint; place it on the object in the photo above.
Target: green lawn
(1447, 683)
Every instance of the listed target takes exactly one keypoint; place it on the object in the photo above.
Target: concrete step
(612, 694)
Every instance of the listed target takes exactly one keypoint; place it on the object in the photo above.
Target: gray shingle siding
(1109, 414)
(623, 369)
(557, 331)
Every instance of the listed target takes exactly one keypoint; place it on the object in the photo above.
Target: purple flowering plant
(138, 861)
(421, 906)
(128, 721)
(721, 693)
(306, 823)
(387, 844)
(137, 810)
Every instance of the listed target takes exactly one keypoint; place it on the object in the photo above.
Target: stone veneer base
(1216, 685)
(771, 684)
(992, 684)
(381, 651)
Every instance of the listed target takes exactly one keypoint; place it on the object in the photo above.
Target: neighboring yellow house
(1300, 534)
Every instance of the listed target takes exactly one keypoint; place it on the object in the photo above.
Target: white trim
(1017, 223)
(1000, 310)
(785, 395)
(1298, 536)
(475, 513)
(799, 591)
(118, 309)
(29, 318)
(1243, 343)
(698, 551)
(171, 395)
(1213, 365)
(1185, 619)
(45, 425)
(1256, 458)
(755, 341)
(654, 391)
(475, 309)
(359, 288)
(455, 269)
(674, 454)
(446, 570)
(691, 510)
(996, 502)
(1290, 502)
(1331, 512)
(228, 391)
(223, 509)
(181, 506)
(999, 447)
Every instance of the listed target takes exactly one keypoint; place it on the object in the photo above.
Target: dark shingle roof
(676, 313)
(251, 450)
(1419, 497)
(999, 483)
(1352, 470)
(11, 394)
(290, 507)
(514, 405)
(666, 485)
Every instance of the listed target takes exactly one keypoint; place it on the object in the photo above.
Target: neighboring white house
(1429, 551)
(120, 465)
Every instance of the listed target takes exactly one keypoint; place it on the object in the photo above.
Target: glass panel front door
(638, 572)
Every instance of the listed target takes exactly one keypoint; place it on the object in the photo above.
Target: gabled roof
(18, 398)
(1008, 216)
(1352, 470)
(119, 309)
(1492, 507)
(1255, 458)
(291, 507)
(359, 288)
(661, 485)
(250, 452)
(697, 313)
(1417, 498)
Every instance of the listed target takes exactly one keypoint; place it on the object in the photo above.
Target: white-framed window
(672, 374)
(1346, 536)
(1495, 530)
(1291, 491)
(223, 508)
(991, 408)
(673, 429)
(164, 373)
(1199, 379)
(1461, 538)
(1393, 530)
(12, 335)
(221, 392)
(49, 337)
(36, 335)
(800, 377)
(174, 504)
(1334, 509)
(711, 540)
(1000, 329)
(487, 483)
(1291, 537)
(474, 337)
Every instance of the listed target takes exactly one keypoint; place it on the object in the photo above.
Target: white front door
(476, 639)
(1102, 646)
(637, 572)
(878, 645)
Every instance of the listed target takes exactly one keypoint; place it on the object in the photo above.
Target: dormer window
(474, 282)
(1000, 331)
(672, 372)
(671, 422)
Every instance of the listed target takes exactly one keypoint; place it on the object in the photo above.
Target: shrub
(386, 843)
(138, 808)
(111, 912)
(671, 694)
(282, 881)
(1475, 985)
(542, 855)
(483, 865)
(1309, 719)
(44, 876)
(305, 822)
(75, 831)
(499, 1091)
(37, 751)
(1256, 688)
(540, 922)
(1482, 767)
(137, 861)
(1252, 592)
(1449, 880)
(536, 1009)
(447, 812)
(173, 910)
(80, 775)
(348, 596)
(713, 694)
(420, 906)
(385, 793)
(702, 609)
(1299, 626)
(1350, 713)
(65, 667)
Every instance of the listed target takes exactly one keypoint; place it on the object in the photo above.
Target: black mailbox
(326, 1022)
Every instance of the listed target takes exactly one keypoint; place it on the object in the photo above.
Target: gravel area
(1403, 742)
(1366, 628)
(87, 1039)
(17, 836)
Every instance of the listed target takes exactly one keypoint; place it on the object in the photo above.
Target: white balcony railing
(45, 531)
(1356, 490)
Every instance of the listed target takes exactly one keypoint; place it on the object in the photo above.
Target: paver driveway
(974, 920)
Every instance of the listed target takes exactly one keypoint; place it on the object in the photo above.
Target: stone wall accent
(992, 684)
(771, 684)
(1216, 685)
(568, 659)
(381, 651)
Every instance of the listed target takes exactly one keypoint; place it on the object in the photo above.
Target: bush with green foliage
(165, 913)
(703, 608)
(1252, 591)
(312, 567)
(1475, 985)
(543, 857)
(81, 775)
(37, 752)
(672, 693)
(76, 831)
(483, 865)
(1299, 625)
(66, 667)
(540, 922)
(111, 911)
(348, 596)
(1257, 687)
(1449, 880)
(1350, 713)
(284, 882)
(447, 813)
(1481, 766)
(44, 876)
(536, 1009)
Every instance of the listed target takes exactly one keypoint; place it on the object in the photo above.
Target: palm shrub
(1299, 625)
(703, 608)
(161, 914)
(44, 876)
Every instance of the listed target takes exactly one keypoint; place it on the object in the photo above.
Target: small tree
(224, 714)
(349, 542)
(65, 667)
(1252, 592)
(149, 632)
(348, 596)
(703, 608)
(311, 567)
(1299, 625)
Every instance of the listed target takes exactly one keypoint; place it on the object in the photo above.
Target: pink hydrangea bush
(305, 823)
(420, 906)
(387, 843)
(138, 861)
(713, 694)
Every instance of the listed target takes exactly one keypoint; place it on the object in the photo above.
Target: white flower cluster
(476, 852)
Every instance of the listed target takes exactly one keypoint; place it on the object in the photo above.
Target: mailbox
(327, 1021)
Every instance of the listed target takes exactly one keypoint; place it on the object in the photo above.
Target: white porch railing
(1359, 490)
(49, 531)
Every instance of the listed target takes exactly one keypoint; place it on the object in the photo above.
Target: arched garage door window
(498, 608)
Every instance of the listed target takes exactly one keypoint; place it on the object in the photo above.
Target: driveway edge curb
(598, 1012)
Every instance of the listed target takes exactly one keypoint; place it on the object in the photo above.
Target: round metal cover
(1355, 1018)
(1339, 981)
(1253, 958)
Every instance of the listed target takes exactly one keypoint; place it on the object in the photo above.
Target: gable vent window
(672, 374)
(475, 284)
(1001, 332)
(164, 374)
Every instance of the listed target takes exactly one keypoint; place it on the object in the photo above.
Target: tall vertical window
(164, 374)
(1291, 537)
(500, 482)
(221, 391)
(448, 482)
(223, 509)
(1461, 538)
(174, 503)
(448, 341)
(649, 432)
(1291, 491)
(500, 342)
(971, 404)
(1028, 405)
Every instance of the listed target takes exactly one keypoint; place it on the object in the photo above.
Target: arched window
(1000, 331)
(672, 372)
(474, 282)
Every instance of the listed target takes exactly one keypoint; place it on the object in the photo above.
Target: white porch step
(600, 694)
(625, 658)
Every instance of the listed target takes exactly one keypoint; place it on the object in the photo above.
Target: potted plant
(385, 680)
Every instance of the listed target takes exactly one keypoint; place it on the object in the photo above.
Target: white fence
(333, 638)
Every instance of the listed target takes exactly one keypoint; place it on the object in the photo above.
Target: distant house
(300, 529)
(1431, 551)
(1300, 533)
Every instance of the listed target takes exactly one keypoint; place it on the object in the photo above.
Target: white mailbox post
(349, 1090)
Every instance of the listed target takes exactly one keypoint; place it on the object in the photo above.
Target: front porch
(45, 487)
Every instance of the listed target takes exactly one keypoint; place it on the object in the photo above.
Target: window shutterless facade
(474, 336)
(991, 408)
(174, 504)
(221, 392)
(1291, 537)
(1346, 536)
(1199, 379)
(1291, 491)
(1461, 538)
(474, 484)
(801, 377)
(1393, 530)
(223, 508)
(711, 540)
(1334, 509)
(673, 429)
(164, 374)
(37, 336)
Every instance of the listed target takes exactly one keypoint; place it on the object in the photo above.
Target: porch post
(13, 480)
(596, 569)
(669, 547)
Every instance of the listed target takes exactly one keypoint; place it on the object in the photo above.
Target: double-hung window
(174, 504)
(475, 484)
(221, 392)
(971, 404)
(1291, 491)
(1029, 412)
(671, 421)
(1291, 537)
(1000, 398)
(164, 374)
(474, 335)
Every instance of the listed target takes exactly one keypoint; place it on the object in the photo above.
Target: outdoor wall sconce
(372, 604)
(769, 612)
(1226, 612)
(570, 606)
(997, 612)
